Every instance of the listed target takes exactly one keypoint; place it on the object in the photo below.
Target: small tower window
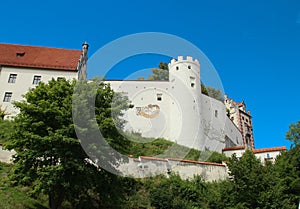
(177, 68)
(189, 67)
(192, 79)
(216, 113)
(159, 97)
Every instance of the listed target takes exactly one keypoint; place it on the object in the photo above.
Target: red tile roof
(152, 158)
(273, 149)
(38, 57)
(195, 162)
(233, 148)
(175, 159)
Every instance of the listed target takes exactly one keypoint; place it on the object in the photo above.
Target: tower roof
(39, 57)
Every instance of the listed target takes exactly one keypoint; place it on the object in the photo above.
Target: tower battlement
(181, 59)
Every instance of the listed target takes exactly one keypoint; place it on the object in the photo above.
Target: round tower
(187, 70)
(184, 80)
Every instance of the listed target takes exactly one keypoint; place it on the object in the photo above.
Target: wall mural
(150, 111)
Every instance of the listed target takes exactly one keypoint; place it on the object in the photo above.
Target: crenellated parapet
(181, 59)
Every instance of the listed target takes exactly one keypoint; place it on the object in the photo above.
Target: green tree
(140, 78)
(212, 92)
(245, 174)
(203, 89)
(215, 93)
(161, 73)
(217, 157)
(6, 129)
(174, 192)
(254, 185)
(287, 169)
(293, 133)
(49, 156)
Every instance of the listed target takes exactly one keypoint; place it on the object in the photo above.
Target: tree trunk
(55, 200)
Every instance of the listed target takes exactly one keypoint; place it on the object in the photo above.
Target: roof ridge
(47, 47)
(39, 57)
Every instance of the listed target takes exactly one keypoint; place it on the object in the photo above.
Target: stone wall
(5, 155)
(148, 166)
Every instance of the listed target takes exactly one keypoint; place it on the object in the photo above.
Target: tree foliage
(51, 161)
(49, 155)
(203, 89)
(215, 93)
(246, 174)
(212, 92)
(6, 129)
(288, 175)
(173, 192)
(161, 73)
(293, 134)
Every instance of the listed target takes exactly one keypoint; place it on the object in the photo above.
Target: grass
(141, 146)
(16, 197)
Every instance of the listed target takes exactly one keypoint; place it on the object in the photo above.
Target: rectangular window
(216, 113)
(12, 78)
(7, 96)
(36, 79)
(159, 97)
(193, 81)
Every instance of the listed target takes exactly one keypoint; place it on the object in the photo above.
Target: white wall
(271, 156)
(217, 125)
(262, 156)
(185, 115)
(6, 156)
(142, 94)
(147, 167)
(238, 153)
(24, 82)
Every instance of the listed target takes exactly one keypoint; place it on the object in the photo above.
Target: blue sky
(254, 45)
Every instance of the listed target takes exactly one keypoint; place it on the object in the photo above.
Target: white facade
(23, 67)
(270, 154)
(238, 151)
(23, 81)
(177, 110)
(5, 155)
(187, 169)
(264, 154)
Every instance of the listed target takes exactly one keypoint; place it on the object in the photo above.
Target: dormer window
(20, 54)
